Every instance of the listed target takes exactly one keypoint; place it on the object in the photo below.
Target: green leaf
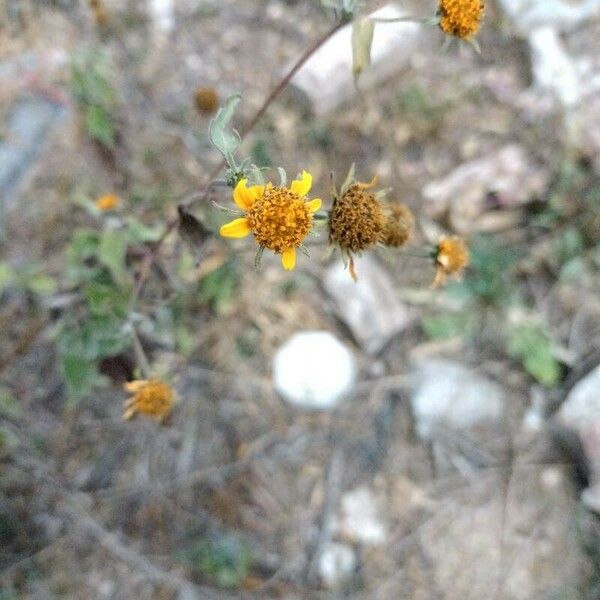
(99, 125)
(7, 276)
(531, 345)
(79, 374)
(447, 326)
(362, 40)
(112, 251)
(225, 139)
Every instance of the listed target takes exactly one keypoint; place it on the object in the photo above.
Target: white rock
(327, 78)
(162, 15)
(336, 564)
(581, 412)
(369, 306)
(314, 370)
(582, 405)
(360, 521)
(448, 395)
(561, 14)
(552, 67)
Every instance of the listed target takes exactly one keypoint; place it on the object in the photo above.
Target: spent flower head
(357, 219)
(278, 217)
(461, 18)
(451, 258)
(151, 397)
(399, 225)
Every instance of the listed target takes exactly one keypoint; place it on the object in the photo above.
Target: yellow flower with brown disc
(278, 217)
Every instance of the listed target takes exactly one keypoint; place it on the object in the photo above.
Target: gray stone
(448, 395)
(369, 307)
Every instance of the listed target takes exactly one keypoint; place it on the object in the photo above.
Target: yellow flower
(451, 257)
(108, 202)
(278, 217)
(461, 18)
(151, 397)
(399, 225)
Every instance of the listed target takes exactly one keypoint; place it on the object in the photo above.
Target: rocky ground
(456, 467)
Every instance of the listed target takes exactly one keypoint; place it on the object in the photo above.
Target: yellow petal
(314, 205)
(288, 259)
(135, 386)
(302, 186)
(242, 196)
(238, 228)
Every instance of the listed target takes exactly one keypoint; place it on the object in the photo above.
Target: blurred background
(427, 444)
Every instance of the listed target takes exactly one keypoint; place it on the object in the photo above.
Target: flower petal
(288, 259)
(314, 205)
(302, 186)
(242, 196)
(238, 228)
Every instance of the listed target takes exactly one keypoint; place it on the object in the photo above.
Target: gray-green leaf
(225, 139)
(362, 40)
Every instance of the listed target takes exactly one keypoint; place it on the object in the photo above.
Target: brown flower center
(279, 219)
(357, 220)
(461, 18)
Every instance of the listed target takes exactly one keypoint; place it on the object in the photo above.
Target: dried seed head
(451, 257)
(279, 219)
(207, 100)
(357, 219)
(399, 225)
(151, 397)
(461, 18)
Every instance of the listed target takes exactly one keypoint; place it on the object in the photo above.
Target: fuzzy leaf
(111, 253)
(225, 139)
(362, 40)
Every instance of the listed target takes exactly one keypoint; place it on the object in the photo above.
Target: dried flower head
(399, 225)
(278, 217)
(451, 257)
(108, 202)
(151, 397)
(207, 99)
(461, 18)
(357, 219)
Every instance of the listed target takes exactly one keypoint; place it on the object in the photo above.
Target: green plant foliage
(224, 561)
(95, 95)
(488, 277)
(362, 40)
(218, 287)
(222, 136)
(531, 345)
(441, 327)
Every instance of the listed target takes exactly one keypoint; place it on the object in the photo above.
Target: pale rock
(509, 173)
(314, 370)
(581, 412)
(162, 15)
(564, 15)
(552, 67)
(336, 564)
(327, 79)
(359, 520)
(448, 395)
(369, 307)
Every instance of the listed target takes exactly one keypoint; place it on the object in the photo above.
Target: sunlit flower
(151, 397)
(451, 257)
(357, 219)
(108, 202)
(207, 99)
(278, 217)
(461, 18)
(399, 225)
